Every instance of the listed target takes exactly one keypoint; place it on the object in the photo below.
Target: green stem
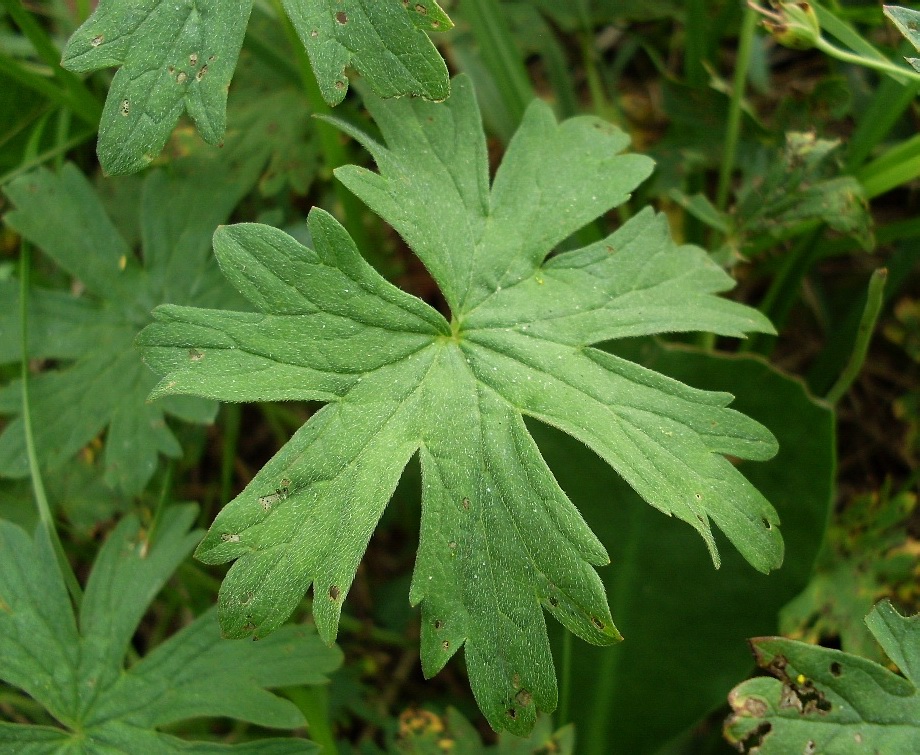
(883, 66)
(38, 485)
(565, 688)
(500, 54)
(333, 150)
(313, 702)
(161, 504)
(48, 154)
(874, 301)
(601, 103)
(733, 128)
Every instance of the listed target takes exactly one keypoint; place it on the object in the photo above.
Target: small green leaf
(500, 541)
(825, 700)
(106, 385)
(74, 666)
(173, 57)
(908, 23)
(384, 40)
(178, 56)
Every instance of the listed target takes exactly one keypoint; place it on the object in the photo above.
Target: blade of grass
(894, 167)
(870, 315)
(232, 416)
(733, 127)
(38, 486)
(888, 104)
(49, 154)
(696, 25)
(85, 104)
(500, 54)
(785, 288)
(313, 702)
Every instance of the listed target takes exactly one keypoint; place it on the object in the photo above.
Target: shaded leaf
(74, 665)
(105, 386)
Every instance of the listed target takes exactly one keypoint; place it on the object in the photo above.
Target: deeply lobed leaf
(105, 386)
(500, 541)
(179, 56)
(75, 668)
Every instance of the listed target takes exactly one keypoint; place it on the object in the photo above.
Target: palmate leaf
(74, 665)
(500, 541)
(827, 701)
(105, 386)
(178, 56)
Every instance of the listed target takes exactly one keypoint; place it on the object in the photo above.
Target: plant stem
(26, 165)
(565, 688)
(733, 128)
(38, 485)
(313, 702)
(874, 301)
(884, 66)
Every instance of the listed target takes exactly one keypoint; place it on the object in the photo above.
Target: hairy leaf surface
(103, 383)
(824, 700)
(500, 541)
(178, 56)
(75, 666)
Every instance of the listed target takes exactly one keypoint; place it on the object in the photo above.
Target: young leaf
(74, 665)
(908, 23)
(179, 56)
(106, 386)
(500, 541)
(825, 700)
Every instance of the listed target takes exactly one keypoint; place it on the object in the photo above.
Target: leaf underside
(179, 56)
(500, 542)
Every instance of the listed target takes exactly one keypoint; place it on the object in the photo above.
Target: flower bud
(793, 25)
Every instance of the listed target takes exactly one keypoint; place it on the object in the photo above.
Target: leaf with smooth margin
(825, 700)
(500, 541)
(75, 665)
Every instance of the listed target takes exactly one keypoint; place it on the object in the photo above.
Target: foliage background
(797, 171)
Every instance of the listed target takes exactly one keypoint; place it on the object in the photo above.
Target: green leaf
(177, 57)
(106, 385)
(781, 192)
(500, 541)
(74, 665)
(908, 23)
(685, 623)
(825, 700)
